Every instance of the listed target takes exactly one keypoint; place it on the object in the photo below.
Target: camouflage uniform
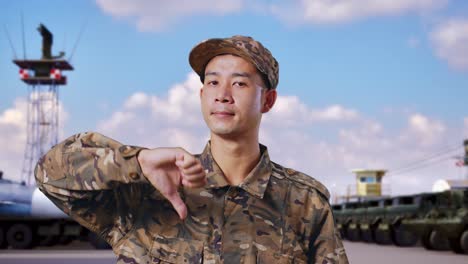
(277, 215)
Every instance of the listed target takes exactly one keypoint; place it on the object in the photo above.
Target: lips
(222, 113)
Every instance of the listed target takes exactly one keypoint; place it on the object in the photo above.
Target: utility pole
(465, 159)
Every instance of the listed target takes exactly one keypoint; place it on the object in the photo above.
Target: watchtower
(369, 182)
(43, 78)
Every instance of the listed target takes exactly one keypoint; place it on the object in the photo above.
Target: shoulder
(299, 179)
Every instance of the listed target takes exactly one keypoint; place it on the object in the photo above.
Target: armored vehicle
(446, 224)
(439, 220)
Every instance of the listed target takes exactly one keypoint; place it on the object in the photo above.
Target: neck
(236, 158)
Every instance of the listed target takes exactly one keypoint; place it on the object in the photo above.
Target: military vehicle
(446, 224)
(439, 220)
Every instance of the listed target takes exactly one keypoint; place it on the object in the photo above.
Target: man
(230, 204)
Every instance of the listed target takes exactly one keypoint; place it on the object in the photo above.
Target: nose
(223, 94)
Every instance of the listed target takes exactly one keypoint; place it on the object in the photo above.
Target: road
(57, 257)
(362, 253)
(358, 253)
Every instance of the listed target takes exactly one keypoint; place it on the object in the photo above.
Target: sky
(363, 83)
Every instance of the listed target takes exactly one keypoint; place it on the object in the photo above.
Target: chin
(222, 131)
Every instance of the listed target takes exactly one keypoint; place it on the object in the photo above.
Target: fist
(169, 168)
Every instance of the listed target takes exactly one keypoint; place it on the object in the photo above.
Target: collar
(256, 181)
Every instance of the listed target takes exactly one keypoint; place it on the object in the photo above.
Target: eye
(212, 82)
(240, 84)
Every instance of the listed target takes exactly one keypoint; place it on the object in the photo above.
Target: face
(233, 97)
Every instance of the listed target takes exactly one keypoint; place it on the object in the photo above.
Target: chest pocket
(176, 250)
(269, 257)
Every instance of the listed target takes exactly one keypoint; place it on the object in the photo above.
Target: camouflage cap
(242, 46)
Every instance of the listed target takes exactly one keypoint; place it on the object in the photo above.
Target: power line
(439, 153)
(420, 166)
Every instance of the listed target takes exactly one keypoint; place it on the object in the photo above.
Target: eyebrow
(211, 73)
(241, 74)
(236, 74)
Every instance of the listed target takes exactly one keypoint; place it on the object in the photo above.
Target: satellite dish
(440, 186)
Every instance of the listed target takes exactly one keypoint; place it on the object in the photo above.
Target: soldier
(230, 204)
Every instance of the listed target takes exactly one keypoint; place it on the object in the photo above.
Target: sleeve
(97, 181)
(325, 244)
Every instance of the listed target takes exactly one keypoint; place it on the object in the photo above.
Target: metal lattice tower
(42, 125)
(43, 78)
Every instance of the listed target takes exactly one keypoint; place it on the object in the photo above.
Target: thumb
(178, 204)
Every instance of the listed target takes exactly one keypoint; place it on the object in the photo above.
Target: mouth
(222, 113)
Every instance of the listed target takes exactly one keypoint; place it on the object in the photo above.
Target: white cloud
(423, 129)
(365, 137)
(289, 110)
(13, 128)
(150, 120)
(341, 11)
(13, 131)
(137, 100)
(450, 41)
(156, 15)
(334, 113)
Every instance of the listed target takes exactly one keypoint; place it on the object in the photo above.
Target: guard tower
(43, 77)
(369, 182)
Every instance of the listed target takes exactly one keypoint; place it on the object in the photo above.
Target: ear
(270, 99)
(201, 92)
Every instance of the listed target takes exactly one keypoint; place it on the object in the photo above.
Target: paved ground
(358, 253)
(362, 253)
(57, 257)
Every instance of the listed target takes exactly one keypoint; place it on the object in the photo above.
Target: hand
(169, 168)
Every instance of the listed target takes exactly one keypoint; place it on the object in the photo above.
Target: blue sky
(391, 67)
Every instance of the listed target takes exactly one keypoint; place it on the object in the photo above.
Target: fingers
(193, 174)
(194, 180)
(185, 160)
(178, 205)
(194, 184)
(195, 169)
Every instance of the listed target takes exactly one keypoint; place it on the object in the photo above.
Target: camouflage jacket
(277, 215)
